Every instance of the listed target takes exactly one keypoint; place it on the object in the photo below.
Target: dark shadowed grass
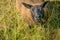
(13, 27)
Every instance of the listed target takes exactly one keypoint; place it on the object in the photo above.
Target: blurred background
(13, 27)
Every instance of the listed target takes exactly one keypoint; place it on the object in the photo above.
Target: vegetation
(13, 27)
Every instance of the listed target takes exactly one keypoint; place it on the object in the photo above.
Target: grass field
(13, 27)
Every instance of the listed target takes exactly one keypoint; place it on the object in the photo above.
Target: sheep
(33, 12)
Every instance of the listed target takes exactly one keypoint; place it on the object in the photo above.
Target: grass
(13, 27)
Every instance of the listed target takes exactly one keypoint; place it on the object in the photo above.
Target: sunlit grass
(13, 27)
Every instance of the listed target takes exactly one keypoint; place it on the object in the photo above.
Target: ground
(13, 27)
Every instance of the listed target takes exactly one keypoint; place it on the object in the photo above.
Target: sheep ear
(27, 5)
(45, 4)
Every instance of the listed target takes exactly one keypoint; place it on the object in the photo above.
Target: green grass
(13, 27)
